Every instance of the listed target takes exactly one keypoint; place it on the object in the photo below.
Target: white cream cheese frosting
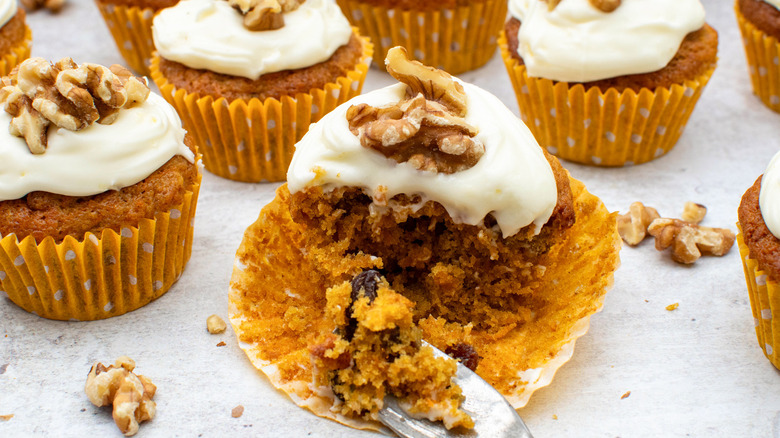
(775, 3)
(576, 42)
(7, 11)
(210, 34)
(769, 197)
(97, 158)
(512, 180)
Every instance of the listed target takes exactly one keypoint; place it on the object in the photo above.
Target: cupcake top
(7, 11)
(590, 40)
(769, 198)
(213, 35)
(492, 163)
(82, 130)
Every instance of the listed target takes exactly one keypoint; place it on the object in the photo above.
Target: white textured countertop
(696, 371)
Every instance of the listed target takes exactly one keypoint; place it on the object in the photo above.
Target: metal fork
(493, 416)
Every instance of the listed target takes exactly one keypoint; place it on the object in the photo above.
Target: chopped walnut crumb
(605, 5)
(632, 226)
(130, 394)
(237, 411)
(693, 212)
(221, 344)
(215, 324)
(426, 129)
(70, 96)
(671, 307)
(6, 417)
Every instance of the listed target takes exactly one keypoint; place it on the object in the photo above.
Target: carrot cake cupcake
(604, 82)
(15, 36)
(130, 23)
(470, 226)
(453, 35)
(759, 22)
(248, 80)
(98, 192)
(759, 246)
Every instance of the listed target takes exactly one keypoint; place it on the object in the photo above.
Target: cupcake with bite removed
(130, 24)
(424, 206)
(453, 35)
(98, 191)
(15, 36)
(759, 23)
(248, 78)
(608, 82)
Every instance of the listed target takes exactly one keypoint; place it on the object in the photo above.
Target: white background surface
(696, 371)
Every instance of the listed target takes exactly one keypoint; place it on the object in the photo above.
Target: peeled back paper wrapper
(16, 54)
(131, 28)
(254, 140)
(455, 40)
(764, 295)
(276, 340)
(101, 275)
(609, 128)
(763, 59)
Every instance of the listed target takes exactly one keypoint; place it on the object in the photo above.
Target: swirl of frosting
(209, 34)
(7, 11)
(96, 159)
(769, 197)
(513, 180)
(576, 42)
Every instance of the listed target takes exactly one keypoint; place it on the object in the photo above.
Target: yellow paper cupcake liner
(253, 141)
(764, 302)
(131, 28)
(101, 275)
(270, 253)
(602, 128)
(455, 40)
(17, 54)
(763, 59)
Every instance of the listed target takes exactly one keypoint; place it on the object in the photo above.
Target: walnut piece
(237, 411)
(70, 96)
(693, 212)
(51, 5)
(264, 14)
(632, 226)
(551, 4)
(690, 241)
(130, 394)
(215, 324)
(434, 84)
(605, 5)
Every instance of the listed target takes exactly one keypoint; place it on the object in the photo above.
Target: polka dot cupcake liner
(455, 40)
(16, 54)
(102, 275)
(131, 28)
(254, 140)
(764, 302)
(602, 128)
(763, 59)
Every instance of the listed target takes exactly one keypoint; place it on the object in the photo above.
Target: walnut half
(264, 14)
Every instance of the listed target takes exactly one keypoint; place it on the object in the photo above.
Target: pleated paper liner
(131, 28)
(764, 302)
(16, 54)
(253, 141)
(602, 128)
(763, 59)
(103, 275)
(270, 253)
(455, 40)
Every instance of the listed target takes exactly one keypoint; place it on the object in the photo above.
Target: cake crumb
(555, 417)
(6, 417)
(237, 411)
(671, 307)
(215, 324)
(221, 344)
(625, 395)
